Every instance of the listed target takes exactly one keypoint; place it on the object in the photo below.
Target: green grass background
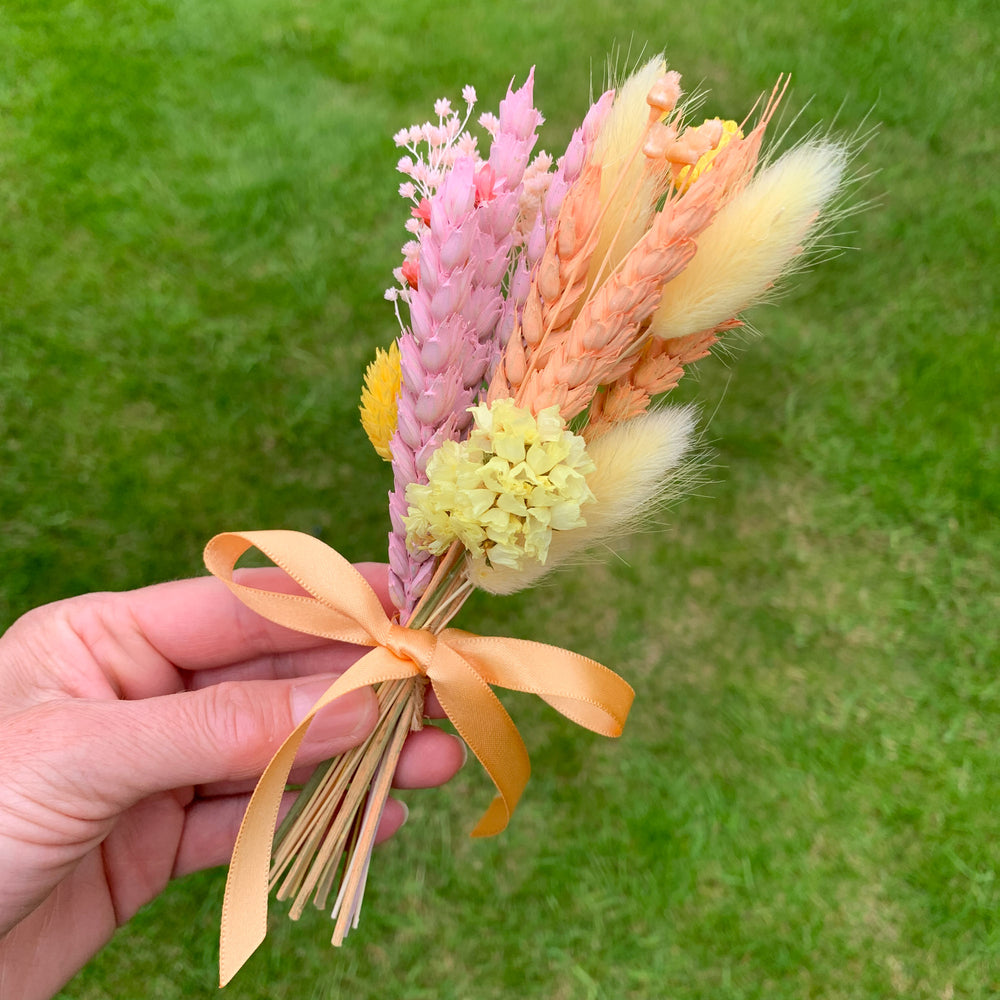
(197, 219)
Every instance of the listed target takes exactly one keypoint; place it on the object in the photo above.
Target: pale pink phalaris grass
(557, 247)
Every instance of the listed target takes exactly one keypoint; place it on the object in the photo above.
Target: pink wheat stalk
(465, 236)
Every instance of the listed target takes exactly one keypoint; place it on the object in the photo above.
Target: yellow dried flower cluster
(504, 490)
(379, 406)
(689, 175)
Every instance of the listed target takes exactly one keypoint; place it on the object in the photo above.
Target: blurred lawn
(198, 219)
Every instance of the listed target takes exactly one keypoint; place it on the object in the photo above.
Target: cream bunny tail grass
(629, 187)
(638, 464)
(760, 236)
(754, 240)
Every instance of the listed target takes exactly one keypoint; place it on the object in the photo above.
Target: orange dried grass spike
(562, 275)
(557, 290)
(658, 369)
(559, 283)
(600, 345)
(661, 363)
(609, 327)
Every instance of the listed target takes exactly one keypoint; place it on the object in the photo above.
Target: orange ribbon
(460, 666)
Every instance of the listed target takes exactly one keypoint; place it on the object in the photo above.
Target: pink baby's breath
(490, 123)
(466, 144)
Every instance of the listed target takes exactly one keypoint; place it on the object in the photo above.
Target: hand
(132, 728)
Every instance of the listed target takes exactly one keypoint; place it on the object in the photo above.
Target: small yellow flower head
(688, 175)
(504, 490)
(379, 396)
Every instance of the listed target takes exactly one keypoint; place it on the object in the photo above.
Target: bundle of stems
(326, 840)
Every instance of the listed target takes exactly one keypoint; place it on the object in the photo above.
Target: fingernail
(342, 718)
(406, 810)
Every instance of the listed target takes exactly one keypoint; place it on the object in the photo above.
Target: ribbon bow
(460, 666)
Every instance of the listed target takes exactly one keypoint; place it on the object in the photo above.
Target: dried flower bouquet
(544, 306)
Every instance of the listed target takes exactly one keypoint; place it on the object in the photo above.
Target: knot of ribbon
(462, 668)
(415, 645)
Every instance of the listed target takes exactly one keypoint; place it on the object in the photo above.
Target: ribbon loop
(461, 667)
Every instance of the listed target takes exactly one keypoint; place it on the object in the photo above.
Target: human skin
(132, 729)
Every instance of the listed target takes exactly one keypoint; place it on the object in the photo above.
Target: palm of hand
(64, 831)
(132, 728)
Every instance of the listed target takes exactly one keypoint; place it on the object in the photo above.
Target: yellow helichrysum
(503, 492)
(636, 464)
(688, 175)
(379, 405)
(753, 241)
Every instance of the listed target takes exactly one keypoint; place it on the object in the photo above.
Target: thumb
(116, 753)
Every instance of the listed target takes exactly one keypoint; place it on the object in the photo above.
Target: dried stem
(326, 841)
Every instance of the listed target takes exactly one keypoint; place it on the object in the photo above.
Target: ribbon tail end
(230, 964)
(494, 820)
